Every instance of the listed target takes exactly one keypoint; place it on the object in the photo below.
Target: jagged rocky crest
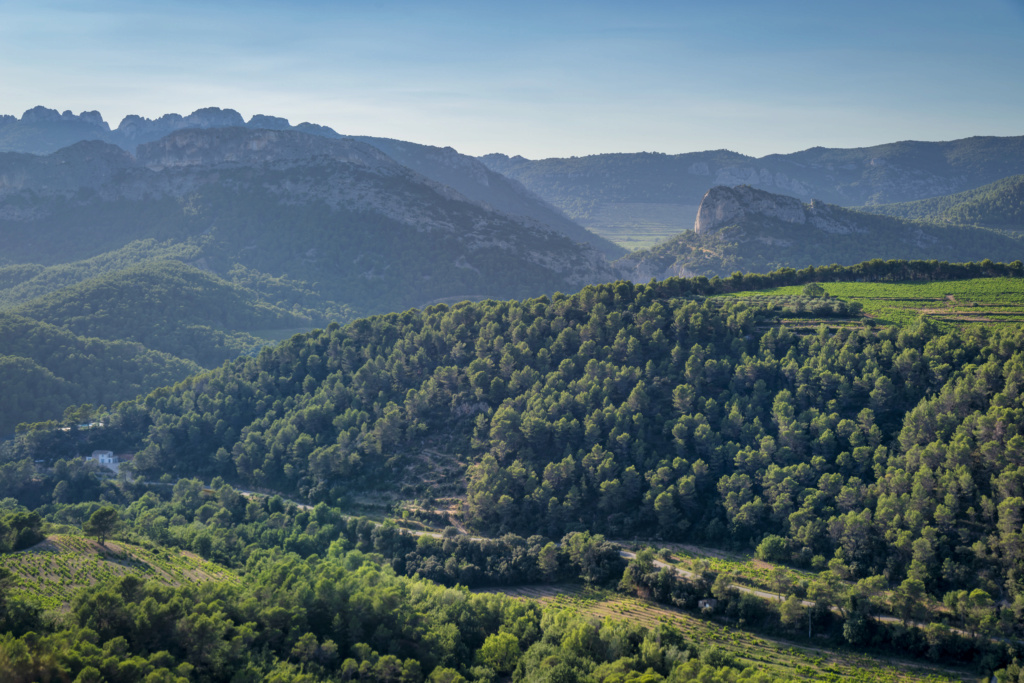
(41, 130)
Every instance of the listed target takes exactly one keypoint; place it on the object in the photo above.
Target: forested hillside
(885, 462)
(637, 410)
(166, 306)
(109, 337)
(998, 205)
(45, 368)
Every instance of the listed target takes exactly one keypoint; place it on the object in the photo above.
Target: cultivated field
(54, 570)
(957, 303)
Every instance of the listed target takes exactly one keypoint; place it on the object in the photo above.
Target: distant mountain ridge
(43, 131)
(370, 232)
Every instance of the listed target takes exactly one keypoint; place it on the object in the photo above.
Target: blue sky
(539, 79)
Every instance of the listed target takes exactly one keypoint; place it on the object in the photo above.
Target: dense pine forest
(887, 462)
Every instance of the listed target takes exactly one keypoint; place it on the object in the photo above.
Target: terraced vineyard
(957, 303)
(54, 570)
(775, 656)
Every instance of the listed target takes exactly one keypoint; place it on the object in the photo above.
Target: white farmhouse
(104, 459)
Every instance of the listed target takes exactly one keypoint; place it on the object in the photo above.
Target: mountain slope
(337, 215)
(477, 182)
(43, 131)
(750, 230)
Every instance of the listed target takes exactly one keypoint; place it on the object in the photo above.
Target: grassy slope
(54, 570)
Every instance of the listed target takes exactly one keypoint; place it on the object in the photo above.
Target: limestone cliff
(723, 206)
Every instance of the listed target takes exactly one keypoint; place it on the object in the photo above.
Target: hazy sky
(539, 79)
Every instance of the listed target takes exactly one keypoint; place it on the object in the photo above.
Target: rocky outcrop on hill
(750, 230)
(723, 206)
(240, 147)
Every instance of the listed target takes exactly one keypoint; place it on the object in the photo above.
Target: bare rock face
(724, 206)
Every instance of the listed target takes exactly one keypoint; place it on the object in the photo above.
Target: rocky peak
(134, 127)
(95, 118)
(214, 117)
(269, 122)
(42, 115)
(724, 206)
(317, 129)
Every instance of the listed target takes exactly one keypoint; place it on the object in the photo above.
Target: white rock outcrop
(724, 206)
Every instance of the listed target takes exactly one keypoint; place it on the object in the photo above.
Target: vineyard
(957, 303)
(54, 570)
